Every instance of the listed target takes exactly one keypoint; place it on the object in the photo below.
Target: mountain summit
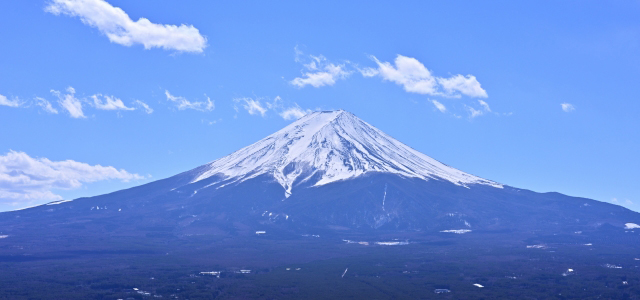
(329, 146)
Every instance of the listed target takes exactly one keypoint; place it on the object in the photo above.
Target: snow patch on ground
(211, 273)
(392, 243)
(456, 231)
(356, 242)
(611, 266)
(631, 226)
(568, 272)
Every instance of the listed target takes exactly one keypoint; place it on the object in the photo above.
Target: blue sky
(478, 86)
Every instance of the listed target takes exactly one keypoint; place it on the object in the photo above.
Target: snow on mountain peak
(329, 146)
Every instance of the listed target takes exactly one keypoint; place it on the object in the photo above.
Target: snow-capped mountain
(331, 172)
(329, 146)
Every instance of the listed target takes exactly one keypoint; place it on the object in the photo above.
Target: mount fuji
(328, 203)
(327, 171)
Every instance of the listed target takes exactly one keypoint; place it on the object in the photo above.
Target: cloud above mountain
(116, 24)
(252, 106)
(181, 103)
(262, 105)
(318, 71)
(294, 113)
(414, 77)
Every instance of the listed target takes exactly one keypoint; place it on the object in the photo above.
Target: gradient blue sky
(529, 57)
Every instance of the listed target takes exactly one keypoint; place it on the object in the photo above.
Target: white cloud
(253, 106)
(478, 112)
(474, 112)
(414, 77)
(260, 106)
(121, 29)
(211, 122)
(567, 107)
(439, 106)
(484, 105)
(144, 106)
(182, 103)
(410, 73)
(297, 54)
(319, 72)
(46, 105)
(25, 179)
(294, 113)
(11, 103)
(210, 105)
(70, 102)
(368, 72)
(109, 103)
(328, 76)
(276, 103)
(466, 85)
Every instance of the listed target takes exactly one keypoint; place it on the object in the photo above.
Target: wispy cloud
(45, 105)
(484, 105)
(211, 122)
(69, 102)
(109, 103)
(252, 106)
(294, 113)
(144, 106)
(484, 108)
(260, 106)
(474, 112)
(24, 179)
(318, 71)
(182, 103)
(466, 85)
(11, 103)
(116, 24)
(414, 77)
(408, 72)
(567, 107)
(368, 71)
(439, 106)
